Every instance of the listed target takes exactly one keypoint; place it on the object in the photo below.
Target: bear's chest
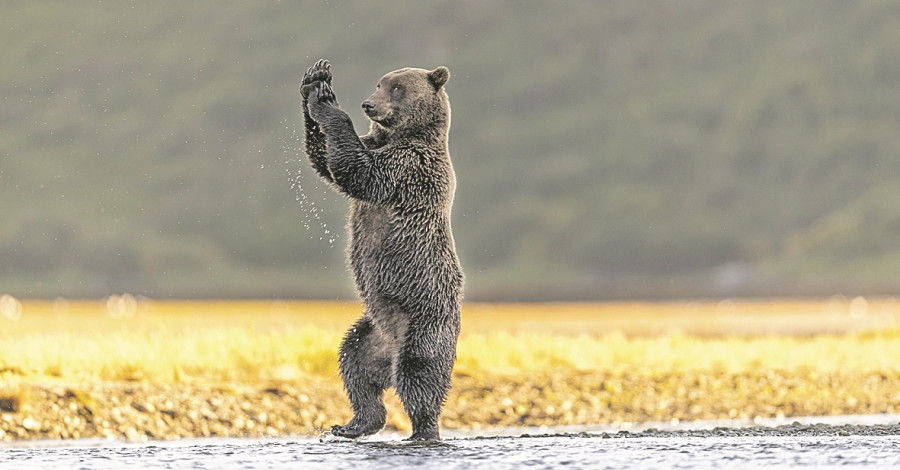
(369, 224)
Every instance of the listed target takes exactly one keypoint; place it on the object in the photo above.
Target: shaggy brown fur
(400, 183)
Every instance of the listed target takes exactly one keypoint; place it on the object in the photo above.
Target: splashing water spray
(312, 215)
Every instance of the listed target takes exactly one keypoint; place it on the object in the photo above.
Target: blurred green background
(639, 149)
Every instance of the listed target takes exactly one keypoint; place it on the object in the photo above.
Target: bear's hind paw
(419, 436)
(352, 431)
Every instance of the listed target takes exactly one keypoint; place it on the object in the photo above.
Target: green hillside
(603, 149)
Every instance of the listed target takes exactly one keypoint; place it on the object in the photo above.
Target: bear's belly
(369, 229)
(395, 256)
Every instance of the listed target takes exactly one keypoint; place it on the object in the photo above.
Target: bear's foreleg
(315, 138)
(365, 366)
(424, 369)
(351, 164)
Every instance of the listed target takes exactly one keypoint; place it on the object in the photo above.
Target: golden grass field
(77, 362)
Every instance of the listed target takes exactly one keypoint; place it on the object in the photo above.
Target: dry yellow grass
(123, 338)
(172, 341)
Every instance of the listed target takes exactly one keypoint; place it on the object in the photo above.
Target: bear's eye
(396, 88)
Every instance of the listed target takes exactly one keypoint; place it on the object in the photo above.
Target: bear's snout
(368, 107)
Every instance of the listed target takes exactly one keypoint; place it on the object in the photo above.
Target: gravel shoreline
(809, 426)
(139, 411)
(796, 429)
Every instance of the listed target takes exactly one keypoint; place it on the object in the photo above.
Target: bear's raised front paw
(322, 94)
(319, 72)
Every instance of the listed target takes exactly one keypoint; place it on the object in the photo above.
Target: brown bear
(400, 184)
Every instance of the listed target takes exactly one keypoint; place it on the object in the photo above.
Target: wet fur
(400, 184)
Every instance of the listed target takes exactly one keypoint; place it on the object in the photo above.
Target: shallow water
(555, 451)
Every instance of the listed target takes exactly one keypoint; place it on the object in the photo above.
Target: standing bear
(400, 184)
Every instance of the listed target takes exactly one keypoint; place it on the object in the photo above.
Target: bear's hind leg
(424, 371)
(366, 371)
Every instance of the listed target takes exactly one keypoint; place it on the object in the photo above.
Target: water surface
(552, 451)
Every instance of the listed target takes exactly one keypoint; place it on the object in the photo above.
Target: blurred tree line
(603, 149)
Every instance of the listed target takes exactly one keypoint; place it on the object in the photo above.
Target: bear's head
(411, 100)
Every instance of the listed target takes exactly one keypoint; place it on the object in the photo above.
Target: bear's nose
(368, 106)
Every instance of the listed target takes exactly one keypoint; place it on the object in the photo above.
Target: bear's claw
(319, 72)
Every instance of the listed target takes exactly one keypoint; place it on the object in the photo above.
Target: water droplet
(295, 162)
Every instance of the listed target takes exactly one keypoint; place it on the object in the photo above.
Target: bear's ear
(438, 77)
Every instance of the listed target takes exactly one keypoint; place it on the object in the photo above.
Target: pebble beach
(140, 411)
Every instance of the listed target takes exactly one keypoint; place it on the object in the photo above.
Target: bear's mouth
(385, 119)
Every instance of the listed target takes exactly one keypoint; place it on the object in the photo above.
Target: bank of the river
(795, 429)
(146, 411)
